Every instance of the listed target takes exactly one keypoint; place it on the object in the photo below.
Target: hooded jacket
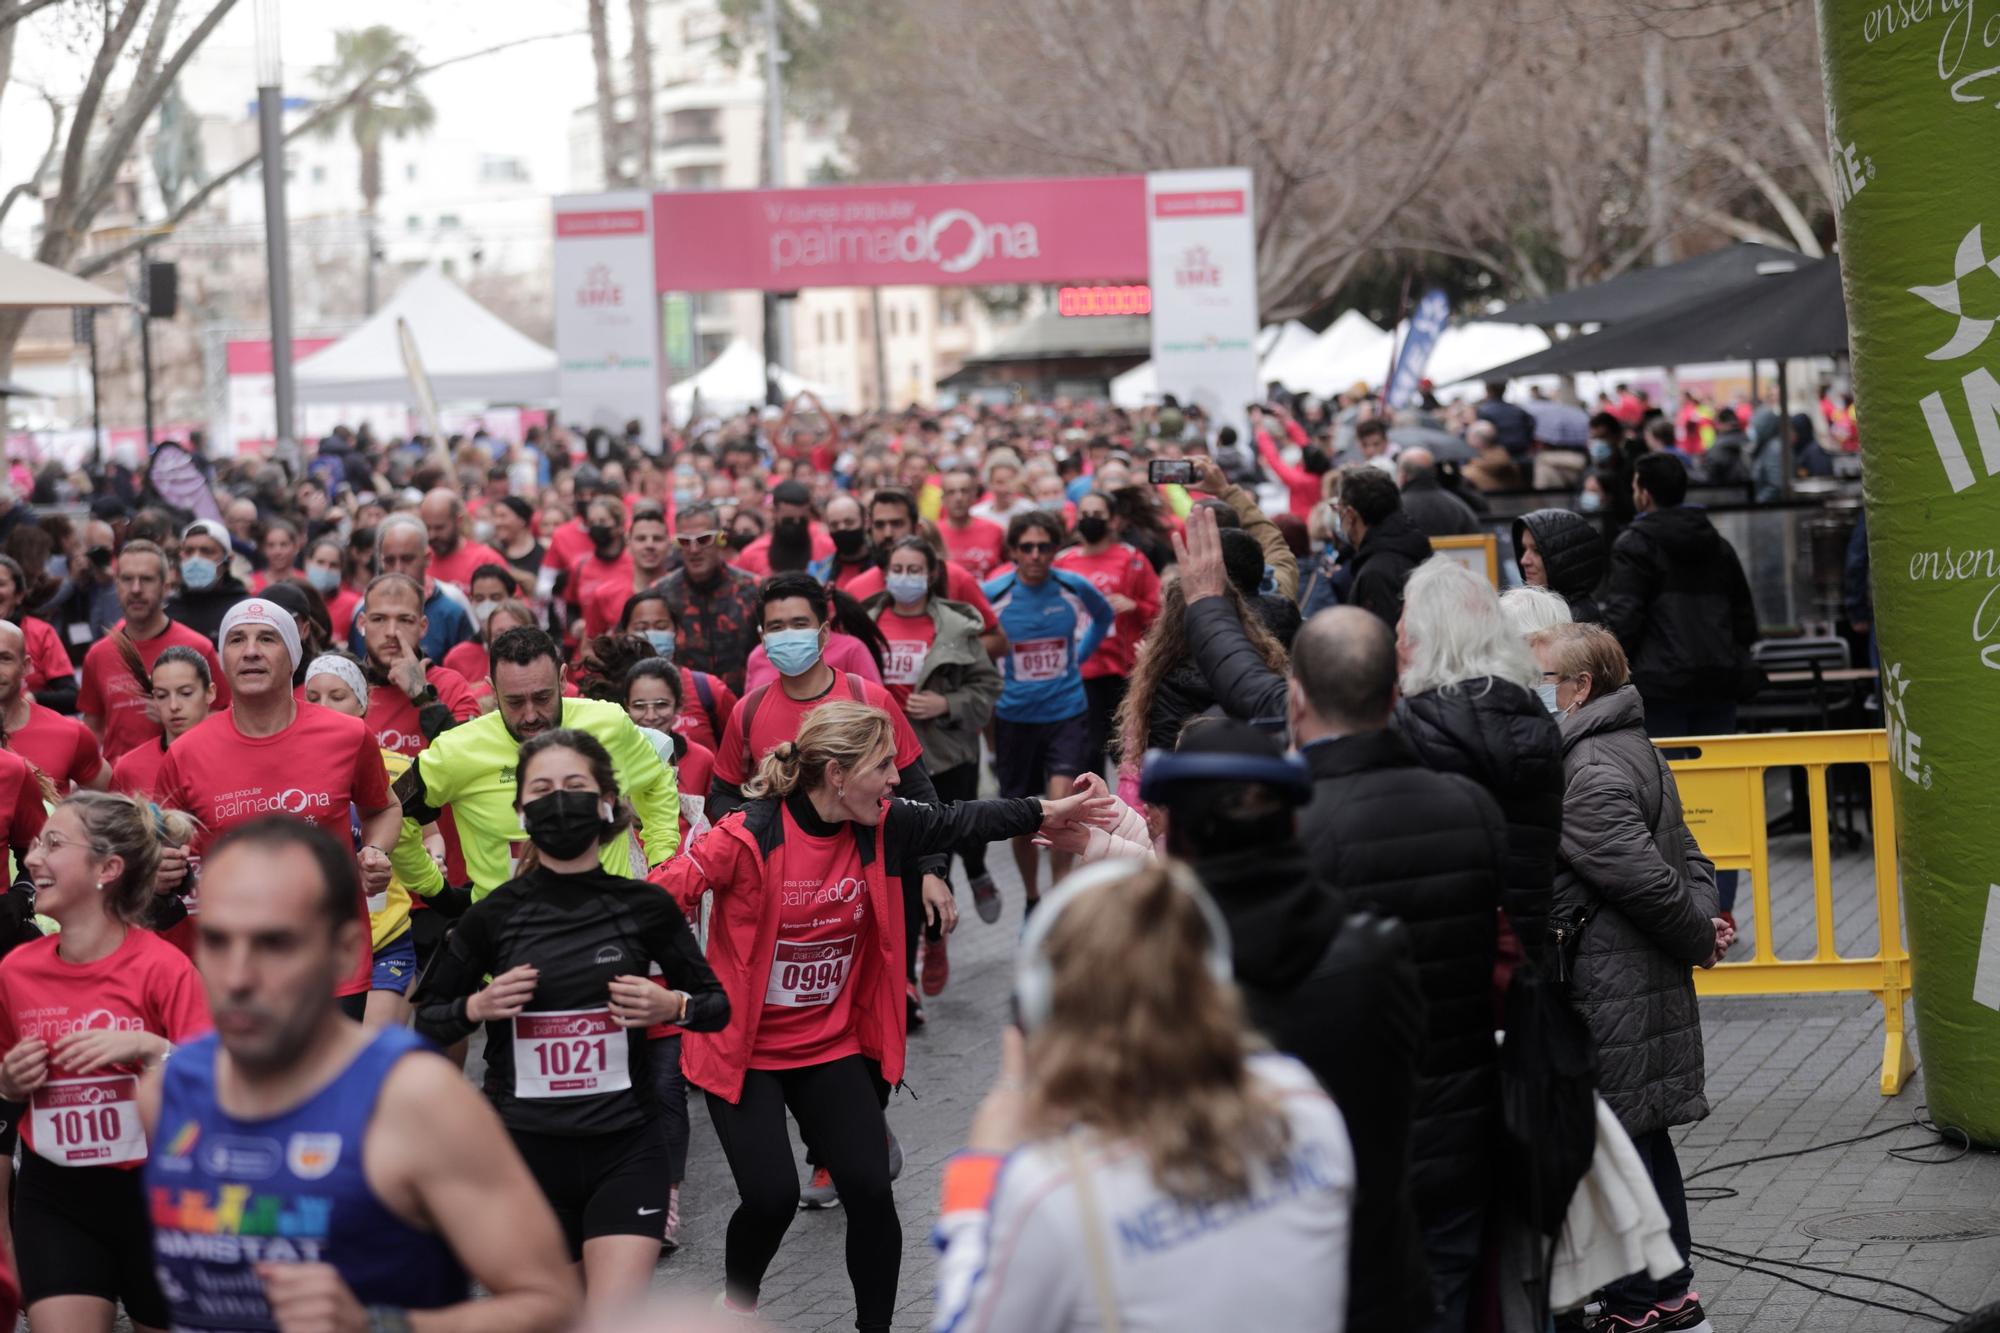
(202, 611)
(1382, 565)
(958, 668)
(1629, 859)
(1677, 599)
(1572, 551)
(1305, 963)
(1499, 735)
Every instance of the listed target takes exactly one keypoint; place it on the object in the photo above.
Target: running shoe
(937, 966)
(819, 1191)
(723, 1307)
(913, 1005)
(1650, 1322)
(672, 1240)
(895, 1156)
(985, 899)
(1684, 1316)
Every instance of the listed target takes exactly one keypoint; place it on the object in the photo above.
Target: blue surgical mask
(198, 572)
(907, 589)
(793, 651)
(1547, 693)
(325, 581)
(1590, 502)
(1600, 451)
(661, 641)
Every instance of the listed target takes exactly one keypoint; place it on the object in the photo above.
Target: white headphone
(1034, 975)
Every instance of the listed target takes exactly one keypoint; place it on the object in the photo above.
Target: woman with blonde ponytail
(806, 936)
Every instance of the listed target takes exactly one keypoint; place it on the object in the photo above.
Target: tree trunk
(608, 137)
(644, 130)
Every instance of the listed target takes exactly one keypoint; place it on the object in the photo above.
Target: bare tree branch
(34, 180)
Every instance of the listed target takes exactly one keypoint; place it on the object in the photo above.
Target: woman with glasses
(705, 702)
(82, 1014)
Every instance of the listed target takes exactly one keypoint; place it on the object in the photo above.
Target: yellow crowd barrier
(1722, 793)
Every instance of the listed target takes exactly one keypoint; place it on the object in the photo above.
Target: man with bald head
(454, 555)
(60, 746)
(1399, 840)
(1435, 511)
(402, 546)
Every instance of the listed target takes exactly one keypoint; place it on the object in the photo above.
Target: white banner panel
(607, 312)
(1202, 250)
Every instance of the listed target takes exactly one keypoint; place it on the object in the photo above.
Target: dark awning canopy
(1640, 292)
(1780, 315)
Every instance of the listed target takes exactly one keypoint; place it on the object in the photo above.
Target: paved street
(1782, 1075)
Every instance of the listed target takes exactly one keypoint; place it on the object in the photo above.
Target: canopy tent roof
(1781, 315)
(1351, 348)
(469, 353)
(1637, 293)
(1463, 349)
(735, 380)
(26, 284)
(1276, 344)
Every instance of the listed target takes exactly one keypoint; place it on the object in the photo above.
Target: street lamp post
(277, 246)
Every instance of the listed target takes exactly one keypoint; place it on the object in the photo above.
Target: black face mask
(604, 538)
(792, 528)
(850, 542)
(1092, 528)
(563, 823)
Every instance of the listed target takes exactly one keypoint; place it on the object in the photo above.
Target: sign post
(1912, 92)
(608, 313)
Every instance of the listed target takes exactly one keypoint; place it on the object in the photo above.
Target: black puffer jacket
(1382, 565)
(1397, 839)
(1500, 736)
(1571, 548)
(1627, 857)
(1677, 600)
(1182, 694)
(1306, 965)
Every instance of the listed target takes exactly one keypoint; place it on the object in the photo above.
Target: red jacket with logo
(731, 860)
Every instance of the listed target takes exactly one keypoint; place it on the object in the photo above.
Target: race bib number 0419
(569, 1053)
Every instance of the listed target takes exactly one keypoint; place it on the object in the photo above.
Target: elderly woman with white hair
(1530, 609)
(1469, 706)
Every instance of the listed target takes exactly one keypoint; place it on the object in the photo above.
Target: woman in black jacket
(1564, 552)
(1468, 706)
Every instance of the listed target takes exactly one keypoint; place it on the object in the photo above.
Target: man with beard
(470, 768)
(794, 541)
(409, 699)
(852, 556)
(647, 547)
(715, 605)
(453, 555)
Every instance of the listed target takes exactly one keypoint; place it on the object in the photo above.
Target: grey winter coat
(1628, 857)
(957, 667)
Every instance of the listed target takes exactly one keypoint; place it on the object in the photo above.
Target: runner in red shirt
(609, 560)
(270, 754)
(409, 700)
(61, 747)
(1127, 580)
(852, 557)
(646, 547)
(82, 1014)
(183, 692)
(973, 542)
(706, 701)
(453, 554)
(326, 562)
(51, 674)
(112, 701)
(280, 548)
(892, 516)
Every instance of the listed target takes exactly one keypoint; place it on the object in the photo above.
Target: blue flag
(1427, 325)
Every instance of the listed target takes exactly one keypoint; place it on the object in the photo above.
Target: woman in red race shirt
(706, 702)
(806, 936)
(82, 1014)
(51, 675)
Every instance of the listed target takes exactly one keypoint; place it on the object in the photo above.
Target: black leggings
(840, 1117)
(962, 784)
(1103, 695)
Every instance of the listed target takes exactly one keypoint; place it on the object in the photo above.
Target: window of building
(893, 329)
(413, 223)
(819, 327)
(693, 127)
(951, 310)
(840, 326)
(409, 171)
(913, 318)
(318, 174)
(447, 221)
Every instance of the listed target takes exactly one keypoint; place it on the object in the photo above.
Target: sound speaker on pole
(162, 289)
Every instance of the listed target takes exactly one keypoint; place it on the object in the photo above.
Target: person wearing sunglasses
(715, 604)
(1053, 620)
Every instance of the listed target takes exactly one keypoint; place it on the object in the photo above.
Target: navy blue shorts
(1027, 754)
(395, 965)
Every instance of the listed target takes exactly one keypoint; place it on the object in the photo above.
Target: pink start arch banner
(1189, 234)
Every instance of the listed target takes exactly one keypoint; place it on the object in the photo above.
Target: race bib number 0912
(1040, 659)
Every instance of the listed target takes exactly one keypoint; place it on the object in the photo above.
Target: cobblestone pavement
(1783, 1075)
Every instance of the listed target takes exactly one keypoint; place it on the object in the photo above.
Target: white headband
(341, 668)
(258, 611)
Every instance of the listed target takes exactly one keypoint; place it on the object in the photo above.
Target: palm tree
(393, 108)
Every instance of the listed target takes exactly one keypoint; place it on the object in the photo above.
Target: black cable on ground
(1721, 1255)
(1709, 1254)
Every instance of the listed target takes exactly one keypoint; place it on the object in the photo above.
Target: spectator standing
(1641, 898)
(1562, 551)
(1435, 511)
(1387, 546)
(1513, 427)
(208, 586)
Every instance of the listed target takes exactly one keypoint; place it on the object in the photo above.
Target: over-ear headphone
(1161, 769)
(1034, 974)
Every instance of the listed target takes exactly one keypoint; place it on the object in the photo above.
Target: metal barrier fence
(1722, 793)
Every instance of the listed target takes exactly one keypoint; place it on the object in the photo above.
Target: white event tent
(1276, 343)
(735, 380)
(1352, 348)
(469, 354)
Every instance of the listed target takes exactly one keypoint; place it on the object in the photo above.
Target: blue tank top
(226, 1194)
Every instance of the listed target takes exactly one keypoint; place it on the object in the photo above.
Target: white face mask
(1547, 692)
